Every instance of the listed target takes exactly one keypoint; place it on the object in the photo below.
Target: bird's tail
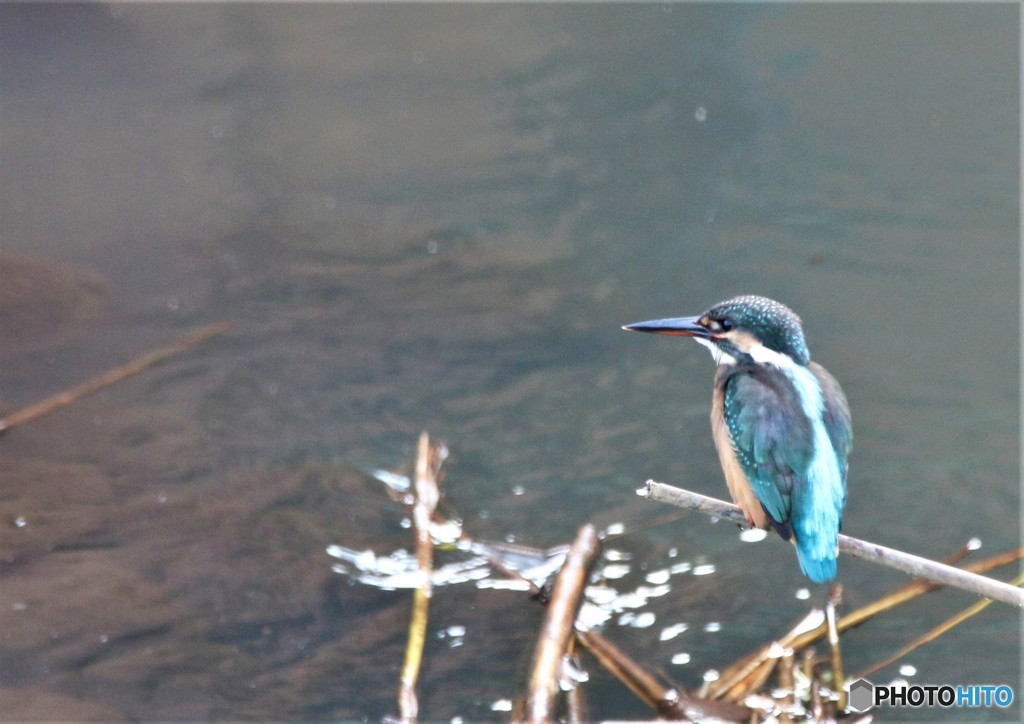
(816, 522)
(816, 561)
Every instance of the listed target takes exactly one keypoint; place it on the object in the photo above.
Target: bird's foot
(750, 521)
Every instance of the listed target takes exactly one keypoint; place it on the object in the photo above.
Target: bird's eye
(726, 324)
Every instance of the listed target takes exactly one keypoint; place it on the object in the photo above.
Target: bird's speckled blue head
(739, 328)
(771, 323)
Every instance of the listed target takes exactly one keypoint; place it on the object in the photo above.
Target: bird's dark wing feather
(772, 436)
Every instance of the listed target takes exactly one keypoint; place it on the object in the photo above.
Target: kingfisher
(780, 422)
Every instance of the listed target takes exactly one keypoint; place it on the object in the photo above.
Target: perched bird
(780, 422)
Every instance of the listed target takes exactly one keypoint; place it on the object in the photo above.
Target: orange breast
(735, 478)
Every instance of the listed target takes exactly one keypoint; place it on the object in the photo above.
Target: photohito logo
(864, 695)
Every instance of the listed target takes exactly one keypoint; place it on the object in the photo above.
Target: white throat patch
(720, 357)
(763, 355)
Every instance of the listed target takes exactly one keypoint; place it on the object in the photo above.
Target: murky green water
(438, 217)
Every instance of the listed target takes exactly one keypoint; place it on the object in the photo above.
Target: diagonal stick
(137, 365)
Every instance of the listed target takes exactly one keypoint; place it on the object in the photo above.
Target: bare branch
(906, 562)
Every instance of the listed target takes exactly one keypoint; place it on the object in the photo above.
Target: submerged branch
(906, 562)
(137, 365)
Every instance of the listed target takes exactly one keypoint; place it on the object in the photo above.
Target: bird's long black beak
(678, 326)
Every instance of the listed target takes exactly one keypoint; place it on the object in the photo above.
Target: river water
(437, 217)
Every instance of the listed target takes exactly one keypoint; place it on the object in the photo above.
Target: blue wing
(771, 434)
(781, 441)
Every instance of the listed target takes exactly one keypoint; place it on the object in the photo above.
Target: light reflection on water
(501, 566)
(495, 565)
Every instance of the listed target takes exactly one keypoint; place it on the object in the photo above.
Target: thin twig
(906, 562)
(557, 630)
(137, 365)
(423, 509)
(932, 635)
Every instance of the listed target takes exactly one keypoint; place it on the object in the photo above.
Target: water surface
(437, 217)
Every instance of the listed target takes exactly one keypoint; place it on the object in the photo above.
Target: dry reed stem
(557, 629)
(749, 673)
(942, 628)
(426, 497)
(646, 688)
(668, 703)
(833, 642)
(575, 703)
(787, 682)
